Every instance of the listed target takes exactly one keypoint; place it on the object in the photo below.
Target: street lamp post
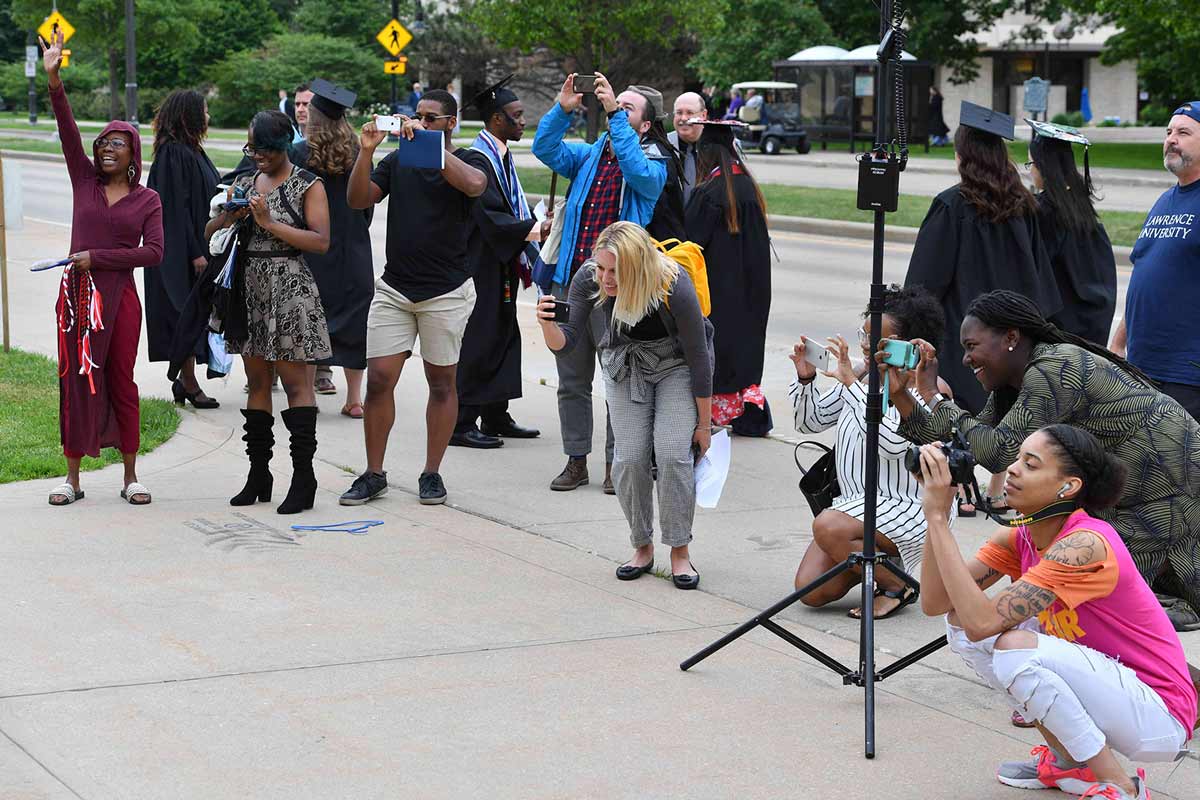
(130, 66)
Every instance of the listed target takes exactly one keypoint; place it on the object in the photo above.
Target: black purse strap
(808, 443)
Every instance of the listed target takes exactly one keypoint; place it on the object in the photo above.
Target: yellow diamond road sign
(56, 22)
(394, 37)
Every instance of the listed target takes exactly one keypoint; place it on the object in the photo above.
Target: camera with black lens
(957, 452)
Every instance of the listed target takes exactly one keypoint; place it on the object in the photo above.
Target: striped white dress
(898, 514)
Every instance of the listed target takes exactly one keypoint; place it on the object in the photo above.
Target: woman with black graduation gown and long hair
(185, 180)
(1076, 242)
(727, 216)
(979, 235)
(344, 274)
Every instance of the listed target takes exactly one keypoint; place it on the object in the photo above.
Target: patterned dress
(284, 317)
(1158, 515)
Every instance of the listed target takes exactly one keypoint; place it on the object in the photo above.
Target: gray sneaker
(1044, 772)
(432, 490)
(366, 487)
(1110, 791)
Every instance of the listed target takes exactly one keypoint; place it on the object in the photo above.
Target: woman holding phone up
(654, 348)
(838, 530)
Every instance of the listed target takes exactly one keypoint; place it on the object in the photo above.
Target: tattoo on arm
(982, 580)
(1021, 601)
(1078, 549)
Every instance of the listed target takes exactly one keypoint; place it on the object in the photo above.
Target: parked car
(775, 124)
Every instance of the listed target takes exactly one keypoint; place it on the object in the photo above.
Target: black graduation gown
(344, 274)
(667, 221)
(489, 366)
(958, 257)
(739, 279)
(1086, 271)
(185, 180)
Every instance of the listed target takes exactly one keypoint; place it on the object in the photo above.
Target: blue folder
(427, 150)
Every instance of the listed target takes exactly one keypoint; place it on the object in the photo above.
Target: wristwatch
(937, 401)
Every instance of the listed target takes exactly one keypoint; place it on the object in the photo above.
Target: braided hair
(1082, 455)
(1003, 309)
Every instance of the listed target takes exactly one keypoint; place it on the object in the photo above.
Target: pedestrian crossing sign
(54, 23)
(394, 37)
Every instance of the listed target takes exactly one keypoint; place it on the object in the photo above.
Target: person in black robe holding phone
(501, 251)
(186, 180)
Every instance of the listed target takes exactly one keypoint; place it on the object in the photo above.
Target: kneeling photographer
(641, 309)
(1051, 641)
(838, 530)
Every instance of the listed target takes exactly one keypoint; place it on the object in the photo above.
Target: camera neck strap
(1060, 508)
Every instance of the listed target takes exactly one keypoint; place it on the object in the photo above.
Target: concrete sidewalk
(189, 649)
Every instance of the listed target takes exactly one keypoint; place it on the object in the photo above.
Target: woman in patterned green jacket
(1038, 375)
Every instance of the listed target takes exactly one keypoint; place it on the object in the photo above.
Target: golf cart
(775, 124)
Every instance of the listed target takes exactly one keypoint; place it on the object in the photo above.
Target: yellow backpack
(690, 256)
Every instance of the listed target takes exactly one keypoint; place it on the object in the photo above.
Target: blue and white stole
(510, 185)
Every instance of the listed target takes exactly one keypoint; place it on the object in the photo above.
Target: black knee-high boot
(259, 440)
(302, 424)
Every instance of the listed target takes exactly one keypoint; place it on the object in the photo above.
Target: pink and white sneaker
(1111, 791)
(1043, 772)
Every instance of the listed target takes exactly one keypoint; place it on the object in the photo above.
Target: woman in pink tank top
(1078, 641)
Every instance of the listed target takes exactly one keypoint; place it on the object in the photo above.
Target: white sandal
(65, 490)
(133, 490)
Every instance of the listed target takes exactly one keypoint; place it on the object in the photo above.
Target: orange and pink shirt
(1105, 605)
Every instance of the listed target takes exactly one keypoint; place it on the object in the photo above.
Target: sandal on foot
(133, 491)
(906, 595)
(966, 510)
(1183, 617)
(353, 410)
(1019, 721)
(66, 491)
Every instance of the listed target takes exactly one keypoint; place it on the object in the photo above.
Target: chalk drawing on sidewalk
(243, 533)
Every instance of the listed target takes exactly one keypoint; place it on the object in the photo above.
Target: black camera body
(957, 452)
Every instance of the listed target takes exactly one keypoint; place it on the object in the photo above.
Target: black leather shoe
(475, 438)
(510, 430)
(686, 581)
(628, 572)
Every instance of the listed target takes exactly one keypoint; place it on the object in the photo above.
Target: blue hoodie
(643, 176)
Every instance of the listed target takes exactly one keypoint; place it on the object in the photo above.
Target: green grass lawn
(1102, 155)
(29, 421)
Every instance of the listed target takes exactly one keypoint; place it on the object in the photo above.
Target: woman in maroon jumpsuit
(116, 227)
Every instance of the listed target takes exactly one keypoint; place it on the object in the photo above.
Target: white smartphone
(389, 124)
(816, 355)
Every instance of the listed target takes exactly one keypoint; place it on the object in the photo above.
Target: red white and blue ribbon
(81, 311)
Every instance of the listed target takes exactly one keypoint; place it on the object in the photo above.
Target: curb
(810, 225)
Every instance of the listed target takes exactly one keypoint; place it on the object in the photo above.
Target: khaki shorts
(395, 323)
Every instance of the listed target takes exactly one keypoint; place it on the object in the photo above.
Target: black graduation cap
(494, 98)
(985, 119)
(330, 99)
(718, 131)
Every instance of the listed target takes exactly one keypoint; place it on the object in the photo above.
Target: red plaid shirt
(600, 209)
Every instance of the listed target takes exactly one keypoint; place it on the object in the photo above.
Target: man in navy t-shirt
(1159, 333)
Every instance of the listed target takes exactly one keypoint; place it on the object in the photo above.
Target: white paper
(539, 211)
(712, 471)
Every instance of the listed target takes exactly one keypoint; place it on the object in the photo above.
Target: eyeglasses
(114, 143)
(864, 338)
(429, 119)
(250, 150)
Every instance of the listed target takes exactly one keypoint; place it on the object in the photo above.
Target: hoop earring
(132, 172)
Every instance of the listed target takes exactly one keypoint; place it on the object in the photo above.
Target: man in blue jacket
(617, 178)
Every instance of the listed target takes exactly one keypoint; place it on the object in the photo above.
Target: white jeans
(1085, 698)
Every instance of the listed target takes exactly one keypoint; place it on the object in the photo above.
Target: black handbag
(818, 483)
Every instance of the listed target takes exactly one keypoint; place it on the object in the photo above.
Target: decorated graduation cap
(495, 98)
(330, 99)
(718, 131)
(1064, 133)
(985, 119)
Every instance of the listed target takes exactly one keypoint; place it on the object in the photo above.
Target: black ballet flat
(195, 398)
(628, 572)
(686, 581)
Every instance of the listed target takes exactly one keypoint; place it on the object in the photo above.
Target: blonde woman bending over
(656, 355)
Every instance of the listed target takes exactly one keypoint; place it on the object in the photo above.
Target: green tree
(250, 80)
(754, 34)
(938, 30)
(12, 36)
(100, 31)
(356, 20)
(594, 34)
(228, 26)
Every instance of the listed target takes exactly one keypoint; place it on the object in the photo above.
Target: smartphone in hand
(584, 84)
(389, 124)
(901, 354)
(816, 355)
(562, 311)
